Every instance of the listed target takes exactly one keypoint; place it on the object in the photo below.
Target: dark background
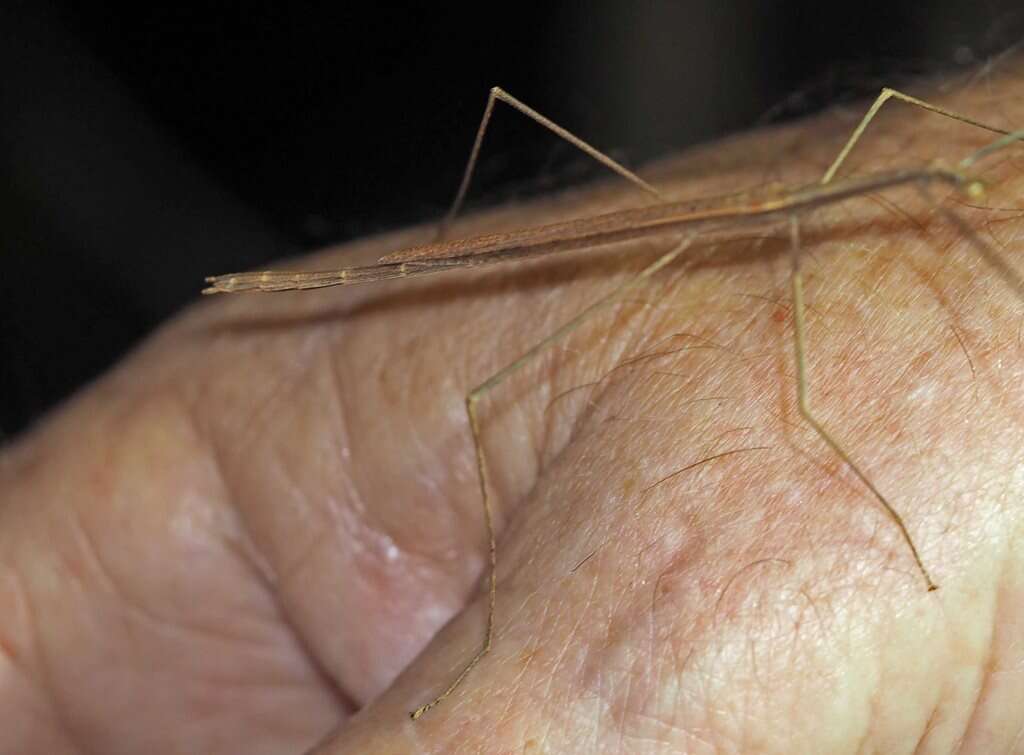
(143, 147)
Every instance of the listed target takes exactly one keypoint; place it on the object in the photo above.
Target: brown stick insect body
(684, 220)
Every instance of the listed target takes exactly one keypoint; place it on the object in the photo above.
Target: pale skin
(256, 524)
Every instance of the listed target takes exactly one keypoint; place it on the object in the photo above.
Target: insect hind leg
(497, 94)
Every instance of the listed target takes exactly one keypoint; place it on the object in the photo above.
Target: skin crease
(244, 537)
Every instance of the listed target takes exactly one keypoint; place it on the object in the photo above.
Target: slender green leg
(804, 406)
(473, 398)
(496, 94)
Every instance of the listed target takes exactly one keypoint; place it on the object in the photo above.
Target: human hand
(243, 537)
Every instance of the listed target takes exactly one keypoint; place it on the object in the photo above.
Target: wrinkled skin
(263, 531)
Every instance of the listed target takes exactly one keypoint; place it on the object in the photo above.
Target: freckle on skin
(628, 486)
(8, 649)
(832, 467)
(894, 430)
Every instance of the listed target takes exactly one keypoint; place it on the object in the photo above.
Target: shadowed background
(144, 147)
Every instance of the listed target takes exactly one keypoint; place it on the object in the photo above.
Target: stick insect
(685, 221)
